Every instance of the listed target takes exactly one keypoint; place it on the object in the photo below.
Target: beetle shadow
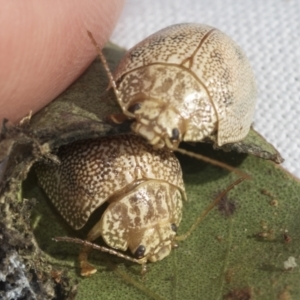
(207, 172)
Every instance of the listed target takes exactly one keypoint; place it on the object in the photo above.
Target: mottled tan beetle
(186, 82)
(143, 186)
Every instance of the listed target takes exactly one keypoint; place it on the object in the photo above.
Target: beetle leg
(174, 245)
(144, 269)
(117, 118)
(86, 269)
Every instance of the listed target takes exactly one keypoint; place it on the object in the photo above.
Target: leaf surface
(240, 247)
(237, 252)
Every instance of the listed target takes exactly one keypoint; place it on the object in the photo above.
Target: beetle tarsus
(86, 269)
(144, 270)
(117, 118)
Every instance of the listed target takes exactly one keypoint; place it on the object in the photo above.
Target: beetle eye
(174, 227)
(140, 251)
(175, 134)
(133, 108)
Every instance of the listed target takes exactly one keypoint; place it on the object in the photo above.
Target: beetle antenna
(106, 67)
(214, 162)
(141, 261)
(208, 209)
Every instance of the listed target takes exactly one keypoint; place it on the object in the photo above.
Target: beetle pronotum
(187, 82)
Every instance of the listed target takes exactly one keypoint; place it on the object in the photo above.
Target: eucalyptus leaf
(239, 248)
(247, 247)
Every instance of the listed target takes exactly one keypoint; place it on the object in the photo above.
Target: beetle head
(159, 123)
(153, 243)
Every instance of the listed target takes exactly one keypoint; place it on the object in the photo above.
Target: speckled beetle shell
(187, 82)
(143, 186)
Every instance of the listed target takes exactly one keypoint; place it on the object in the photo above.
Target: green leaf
(238, 249)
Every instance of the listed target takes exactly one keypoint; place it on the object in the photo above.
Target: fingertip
(48, 48)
